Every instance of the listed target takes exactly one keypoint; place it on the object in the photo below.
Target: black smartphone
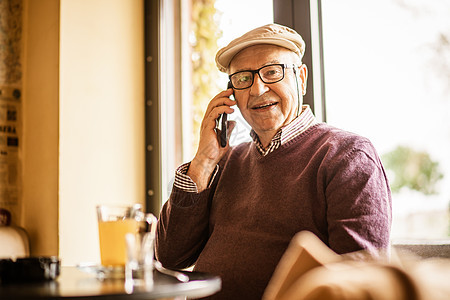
(224, 128)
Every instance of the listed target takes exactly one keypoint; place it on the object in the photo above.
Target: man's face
(268, 107)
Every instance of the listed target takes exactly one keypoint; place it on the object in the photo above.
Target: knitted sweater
(327, 181)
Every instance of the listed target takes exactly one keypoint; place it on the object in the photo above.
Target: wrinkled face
(268, 107)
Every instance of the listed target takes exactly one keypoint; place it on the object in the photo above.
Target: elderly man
(233, 210)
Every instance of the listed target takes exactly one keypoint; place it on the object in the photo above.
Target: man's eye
(271, 73)
(244, 78)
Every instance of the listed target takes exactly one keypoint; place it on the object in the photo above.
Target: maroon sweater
(326, 181)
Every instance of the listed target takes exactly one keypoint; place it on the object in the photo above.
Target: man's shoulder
(332, 133)
(338, 140)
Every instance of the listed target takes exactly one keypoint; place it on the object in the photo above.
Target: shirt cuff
(185, 183)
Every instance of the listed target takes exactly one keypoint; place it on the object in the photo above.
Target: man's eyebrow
(276, 61)
(265, 64)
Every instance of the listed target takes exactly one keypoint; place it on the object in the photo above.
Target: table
(75, 284)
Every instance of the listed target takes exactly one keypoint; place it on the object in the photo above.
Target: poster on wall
(10, 106)
(9, 146)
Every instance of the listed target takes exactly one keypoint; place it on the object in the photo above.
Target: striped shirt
(300, 124)
(305, 120)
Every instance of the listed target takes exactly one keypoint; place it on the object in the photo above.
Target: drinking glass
(114, 222)
(140, 254)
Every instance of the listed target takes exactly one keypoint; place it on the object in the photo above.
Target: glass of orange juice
(114, 222)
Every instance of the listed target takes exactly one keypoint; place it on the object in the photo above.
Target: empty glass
(140, 255)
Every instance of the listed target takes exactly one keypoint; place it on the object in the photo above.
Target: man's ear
(303, 74)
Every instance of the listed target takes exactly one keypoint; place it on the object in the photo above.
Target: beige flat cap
(273, 34)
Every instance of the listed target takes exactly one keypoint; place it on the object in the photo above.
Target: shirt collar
(288, 132)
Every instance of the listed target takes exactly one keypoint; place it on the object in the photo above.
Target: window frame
(163, 111)
(151, 106)
(304, 16)
(163, 16)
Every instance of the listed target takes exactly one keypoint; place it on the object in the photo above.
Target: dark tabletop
(75, 284)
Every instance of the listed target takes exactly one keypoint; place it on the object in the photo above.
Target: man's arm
(183, 228)
(359, 202)
(209, 151)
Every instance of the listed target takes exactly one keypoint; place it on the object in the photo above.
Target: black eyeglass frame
(253, 72)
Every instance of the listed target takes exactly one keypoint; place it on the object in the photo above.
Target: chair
(309, 270)
(14, 241)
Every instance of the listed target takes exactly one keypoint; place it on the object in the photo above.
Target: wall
(83, 120)
(102, 139)
(40, 125)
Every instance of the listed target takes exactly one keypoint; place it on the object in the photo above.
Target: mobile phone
(224, 127)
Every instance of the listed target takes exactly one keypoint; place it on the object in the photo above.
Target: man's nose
(259, 87)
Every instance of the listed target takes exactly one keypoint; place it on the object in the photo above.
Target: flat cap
(273, 34)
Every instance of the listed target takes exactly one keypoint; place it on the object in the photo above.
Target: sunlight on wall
(101, 117)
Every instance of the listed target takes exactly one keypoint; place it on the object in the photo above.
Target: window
(223, 23)
(182, 38)
(387, 76)
(233, 23)
(384, 74)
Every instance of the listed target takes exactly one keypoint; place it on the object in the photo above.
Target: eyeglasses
(268, 74)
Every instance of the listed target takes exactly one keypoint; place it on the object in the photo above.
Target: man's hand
(209, 151)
